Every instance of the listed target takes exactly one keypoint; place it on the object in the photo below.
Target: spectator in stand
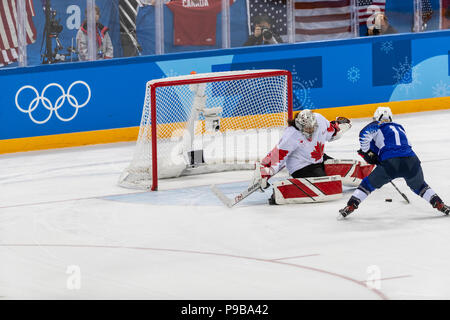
(263, 33)
(104, 47)
(381, 26)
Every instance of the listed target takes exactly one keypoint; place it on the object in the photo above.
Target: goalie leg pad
(307, 190)
(351, 171)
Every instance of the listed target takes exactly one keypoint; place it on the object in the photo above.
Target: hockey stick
(403, 195)
(231, 202)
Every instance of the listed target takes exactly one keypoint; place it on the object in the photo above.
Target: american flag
(366, 9)
(274, 9)
(319, 20)
(8, 30)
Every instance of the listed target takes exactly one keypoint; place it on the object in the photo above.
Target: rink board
(74, 104)
(131, 134)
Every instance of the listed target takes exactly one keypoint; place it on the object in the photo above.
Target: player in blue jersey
(385, 144)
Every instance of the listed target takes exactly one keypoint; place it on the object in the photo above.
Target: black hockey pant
(408, 168)
(313, 170)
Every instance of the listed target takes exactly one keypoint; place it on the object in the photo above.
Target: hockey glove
(340, 125)
(262, 175)
(342, 120)
(370, 157)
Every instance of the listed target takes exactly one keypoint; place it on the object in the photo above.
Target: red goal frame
(222, 78)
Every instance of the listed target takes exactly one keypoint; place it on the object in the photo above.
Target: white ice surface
(63, 208)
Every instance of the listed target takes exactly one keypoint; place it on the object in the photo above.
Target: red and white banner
(318, 20)
(9, 42)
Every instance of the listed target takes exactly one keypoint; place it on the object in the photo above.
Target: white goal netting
(208, 123)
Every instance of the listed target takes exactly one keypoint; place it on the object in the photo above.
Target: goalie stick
(231, 202)
(402, 194)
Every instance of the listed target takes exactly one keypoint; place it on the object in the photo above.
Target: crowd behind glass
(127, 28)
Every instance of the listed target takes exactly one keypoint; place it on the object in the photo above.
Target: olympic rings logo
(49, 105)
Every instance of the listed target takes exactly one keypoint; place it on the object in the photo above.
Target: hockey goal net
(208, 122)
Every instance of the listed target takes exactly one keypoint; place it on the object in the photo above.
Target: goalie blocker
(321, 189)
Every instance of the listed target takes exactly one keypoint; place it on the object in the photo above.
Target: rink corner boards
(75, 139)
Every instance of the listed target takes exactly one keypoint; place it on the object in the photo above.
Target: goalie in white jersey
(301, 148)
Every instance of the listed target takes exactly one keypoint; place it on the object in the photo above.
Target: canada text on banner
(195, 21)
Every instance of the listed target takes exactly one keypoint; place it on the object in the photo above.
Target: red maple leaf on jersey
(317, 153)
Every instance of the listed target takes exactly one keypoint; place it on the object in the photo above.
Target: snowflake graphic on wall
(441, 89)
(302, 94)
(353, 74)
(406, 77)
(403, 72)
(387, 46)
(301, 90)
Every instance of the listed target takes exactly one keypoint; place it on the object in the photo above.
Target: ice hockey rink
(68, 231)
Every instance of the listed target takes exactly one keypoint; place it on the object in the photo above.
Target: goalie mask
(383, 114)
(306, 123)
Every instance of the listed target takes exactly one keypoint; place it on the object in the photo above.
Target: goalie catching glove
(342, 120)
(340, 125)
